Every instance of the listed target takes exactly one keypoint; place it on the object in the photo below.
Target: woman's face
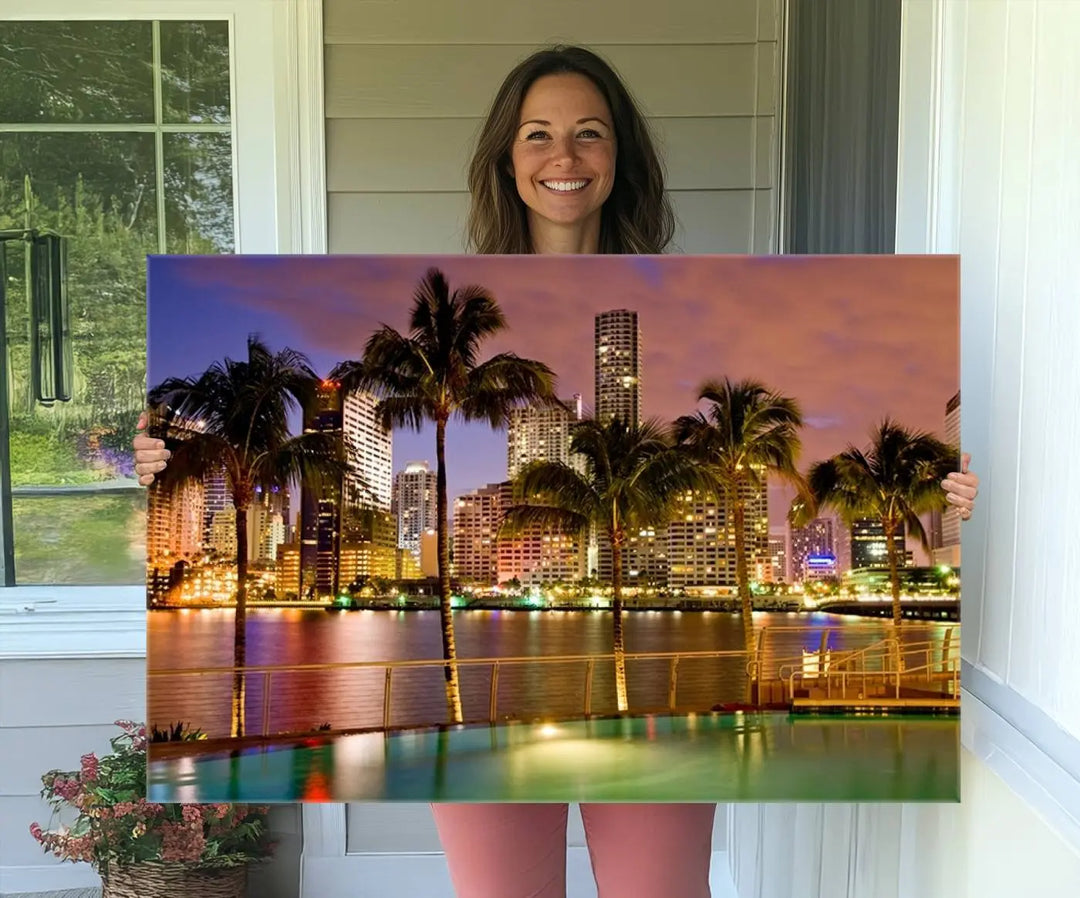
(563, 155)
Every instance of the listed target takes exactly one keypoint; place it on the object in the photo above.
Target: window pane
(99, 191)
(76, 72)
(85, 539)
(198, 193)
(195, 72)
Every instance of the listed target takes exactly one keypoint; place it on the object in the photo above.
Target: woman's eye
(589, 132)
(536, 135)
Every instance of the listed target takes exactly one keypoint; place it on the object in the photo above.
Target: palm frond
(502, 383)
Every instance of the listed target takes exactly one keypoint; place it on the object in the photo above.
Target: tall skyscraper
(617, 349)
(217, 498)
(541, 433)
(414, 503)
(370, 453)
(363, 497)
(320, 513)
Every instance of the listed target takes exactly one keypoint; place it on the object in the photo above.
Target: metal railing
(780, 668)
(496, 665)
(893, 668)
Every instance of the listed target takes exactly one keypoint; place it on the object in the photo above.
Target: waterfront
(351, 698)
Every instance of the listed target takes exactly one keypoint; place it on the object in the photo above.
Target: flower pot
(173, 880)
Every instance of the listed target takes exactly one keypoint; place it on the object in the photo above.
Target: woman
(565, 164)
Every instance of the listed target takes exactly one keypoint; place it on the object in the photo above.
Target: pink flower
(36, 832)
(181, 843)
(123, 808)
(192, 814)
(89, 767)
(66, 788)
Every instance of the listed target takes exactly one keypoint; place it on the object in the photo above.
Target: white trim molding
(305, 112)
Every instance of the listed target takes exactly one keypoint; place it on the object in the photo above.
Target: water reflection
(744, 757)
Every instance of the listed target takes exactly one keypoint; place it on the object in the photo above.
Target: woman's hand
(150, 454)
(961, 487)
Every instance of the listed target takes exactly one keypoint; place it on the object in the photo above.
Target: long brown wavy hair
(637, 217)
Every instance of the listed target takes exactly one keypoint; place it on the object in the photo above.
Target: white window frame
(279, 191)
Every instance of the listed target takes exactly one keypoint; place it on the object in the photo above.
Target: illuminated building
(477, 515)
(320, 513)
(366, 560)
(818, 539)
(429, 553)
(414, 504)
(617, 371)
(701, 540)
(223, 533)
(174, 524)
(779, 555)
(946, 524)
(542, 433)
(370, 451)
(869, 547)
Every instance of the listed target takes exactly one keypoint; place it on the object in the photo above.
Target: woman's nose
(564, 149)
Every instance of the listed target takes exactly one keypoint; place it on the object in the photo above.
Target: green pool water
(704, 757)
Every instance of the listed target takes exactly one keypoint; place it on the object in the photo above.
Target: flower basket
(173, 880)
(141, 848)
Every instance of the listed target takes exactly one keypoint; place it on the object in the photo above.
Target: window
(125, 123)
(116, 135)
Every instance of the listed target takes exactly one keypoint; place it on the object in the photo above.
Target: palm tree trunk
(894, 572)
(240, 626)
(617, 623)
(742, 578)
(446, 616)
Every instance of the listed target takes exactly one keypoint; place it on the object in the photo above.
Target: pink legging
(519, 850)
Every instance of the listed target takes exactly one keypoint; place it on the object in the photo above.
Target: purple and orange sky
(853, 338)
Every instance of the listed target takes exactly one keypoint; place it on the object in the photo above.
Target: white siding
(407, 85)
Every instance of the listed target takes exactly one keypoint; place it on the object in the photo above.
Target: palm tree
(894, 481)
(631, 477)
(746, 433)
(433, 373)
(234, 417)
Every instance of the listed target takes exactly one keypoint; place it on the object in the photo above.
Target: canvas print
(553, 528)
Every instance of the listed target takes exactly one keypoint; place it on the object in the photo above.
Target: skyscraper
(320, 513)
(370, 452)
(414, 503)
(541, 433)
(617, 351)
(217, 498)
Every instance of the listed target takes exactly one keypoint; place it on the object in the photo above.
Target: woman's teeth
(564, 186)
